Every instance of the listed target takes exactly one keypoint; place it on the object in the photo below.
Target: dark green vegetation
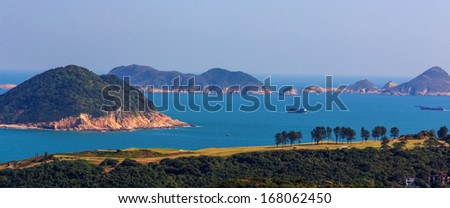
(109, 162)
(320, 133)
(442, 133)
(369, 167)
(145, 75)
(424, 156)
(284, 137)
(58, 93)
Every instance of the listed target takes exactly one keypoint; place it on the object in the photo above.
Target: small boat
(431, 108)
(301, 110)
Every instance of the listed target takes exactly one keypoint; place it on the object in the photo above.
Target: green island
(423, 159)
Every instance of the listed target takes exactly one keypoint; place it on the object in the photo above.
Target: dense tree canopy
(368, 167)
(63, 92)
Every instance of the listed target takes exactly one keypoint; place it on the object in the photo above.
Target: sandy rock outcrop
(117, 121)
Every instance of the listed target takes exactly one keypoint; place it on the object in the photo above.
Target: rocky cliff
(118, 121)
(389, 85)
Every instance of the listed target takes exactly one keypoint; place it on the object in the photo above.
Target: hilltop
(70, 98)
(146, 75)
(434, 81)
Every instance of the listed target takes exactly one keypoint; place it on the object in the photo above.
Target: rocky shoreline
(117, 121)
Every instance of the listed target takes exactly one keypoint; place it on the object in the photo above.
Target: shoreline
(27, 127)
(107, 123)
(18, 127)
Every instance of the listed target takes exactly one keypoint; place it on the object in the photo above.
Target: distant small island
(433, 82)
(362, 87)
(145, 75)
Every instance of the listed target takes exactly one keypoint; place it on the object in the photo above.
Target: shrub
(109, 162)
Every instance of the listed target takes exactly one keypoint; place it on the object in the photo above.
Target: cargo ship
(301, 110)
(431, 108)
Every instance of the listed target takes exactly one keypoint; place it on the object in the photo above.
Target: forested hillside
(370, 167)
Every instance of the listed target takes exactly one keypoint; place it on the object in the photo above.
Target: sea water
(236, 128)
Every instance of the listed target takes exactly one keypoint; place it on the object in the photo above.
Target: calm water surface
(225, 129)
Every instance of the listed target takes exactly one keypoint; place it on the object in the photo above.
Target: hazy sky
(290, 37)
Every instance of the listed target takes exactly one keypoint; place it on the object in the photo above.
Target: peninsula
(70, 98)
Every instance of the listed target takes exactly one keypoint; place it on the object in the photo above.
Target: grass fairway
(96, 157)
(149, 155)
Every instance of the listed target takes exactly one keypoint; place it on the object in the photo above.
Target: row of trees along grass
(340, 134)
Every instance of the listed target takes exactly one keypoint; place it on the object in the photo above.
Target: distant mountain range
(70, 98)
(434, 81)
(146, 75)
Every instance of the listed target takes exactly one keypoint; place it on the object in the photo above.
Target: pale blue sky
(391, 38)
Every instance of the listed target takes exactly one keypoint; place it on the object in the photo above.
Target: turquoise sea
(225, 129)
